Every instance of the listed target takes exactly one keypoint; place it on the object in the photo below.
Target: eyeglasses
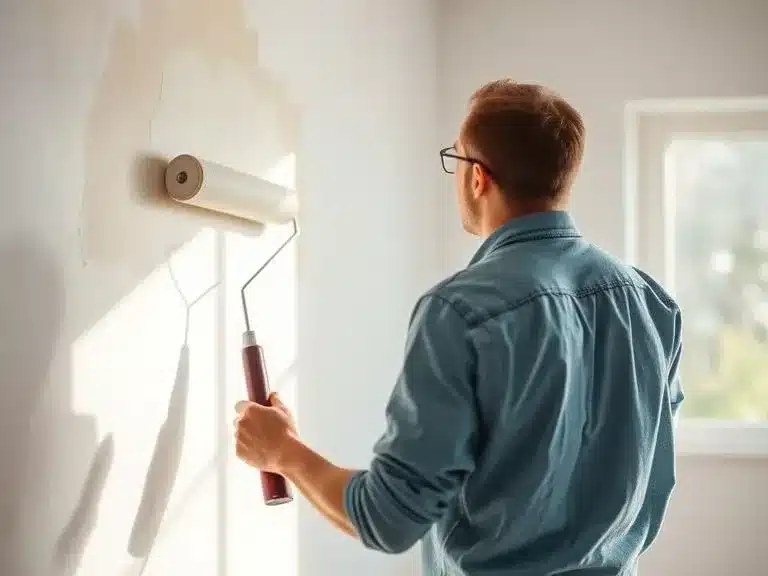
(450, 159)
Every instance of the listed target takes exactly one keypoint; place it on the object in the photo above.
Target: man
(531, 429)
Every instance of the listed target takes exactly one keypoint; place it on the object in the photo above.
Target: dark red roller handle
(274, 486)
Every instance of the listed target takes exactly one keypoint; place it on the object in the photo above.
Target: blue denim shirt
(531, 429)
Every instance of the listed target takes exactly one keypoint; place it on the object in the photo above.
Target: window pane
(720, 194)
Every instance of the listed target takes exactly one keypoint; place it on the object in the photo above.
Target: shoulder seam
(661, 293)
(582, 293)
(452, 305)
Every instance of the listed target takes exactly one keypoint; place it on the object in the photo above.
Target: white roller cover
(196, 182)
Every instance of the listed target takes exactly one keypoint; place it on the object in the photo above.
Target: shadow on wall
(31, 308)
(163, 468)
(166, 458)
(173, 82)
(154, 518)
(159, 482)
(73, 540)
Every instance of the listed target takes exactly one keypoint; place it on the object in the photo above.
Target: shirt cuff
(351, 491)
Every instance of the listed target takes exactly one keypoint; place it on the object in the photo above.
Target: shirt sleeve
(427, 450)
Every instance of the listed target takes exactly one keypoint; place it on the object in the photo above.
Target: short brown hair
(530, 139)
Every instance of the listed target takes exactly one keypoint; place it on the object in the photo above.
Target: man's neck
(500, 217)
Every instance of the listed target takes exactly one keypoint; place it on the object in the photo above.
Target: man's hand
(264, 435)
(267, 439)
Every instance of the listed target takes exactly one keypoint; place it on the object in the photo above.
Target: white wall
(600, 54)
(95, 94)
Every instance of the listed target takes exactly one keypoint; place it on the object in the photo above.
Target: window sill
(722, 438)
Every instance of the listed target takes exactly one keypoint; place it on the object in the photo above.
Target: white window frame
(649, 124)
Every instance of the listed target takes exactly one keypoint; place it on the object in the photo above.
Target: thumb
(242, 405)
(276, 402)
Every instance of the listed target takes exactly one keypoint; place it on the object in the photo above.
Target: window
(698, 181)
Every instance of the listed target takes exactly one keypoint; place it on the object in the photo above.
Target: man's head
(518, 152)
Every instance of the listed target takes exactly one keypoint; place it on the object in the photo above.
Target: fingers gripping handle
(275, 487)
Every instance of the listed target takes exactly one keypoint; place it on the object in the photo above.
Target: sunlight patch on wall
(155, 397)
(259, 537)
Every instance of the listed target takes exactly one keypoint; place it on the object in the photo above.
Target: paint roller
(211, 186)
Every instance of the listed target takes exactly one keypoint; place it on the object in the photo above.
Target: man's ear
(480, 181)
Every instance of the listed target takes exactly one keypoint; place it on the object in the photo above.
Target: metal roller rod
(293, 234)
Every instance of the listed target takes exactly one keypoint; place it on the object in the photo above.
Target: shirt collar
(549, 224)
